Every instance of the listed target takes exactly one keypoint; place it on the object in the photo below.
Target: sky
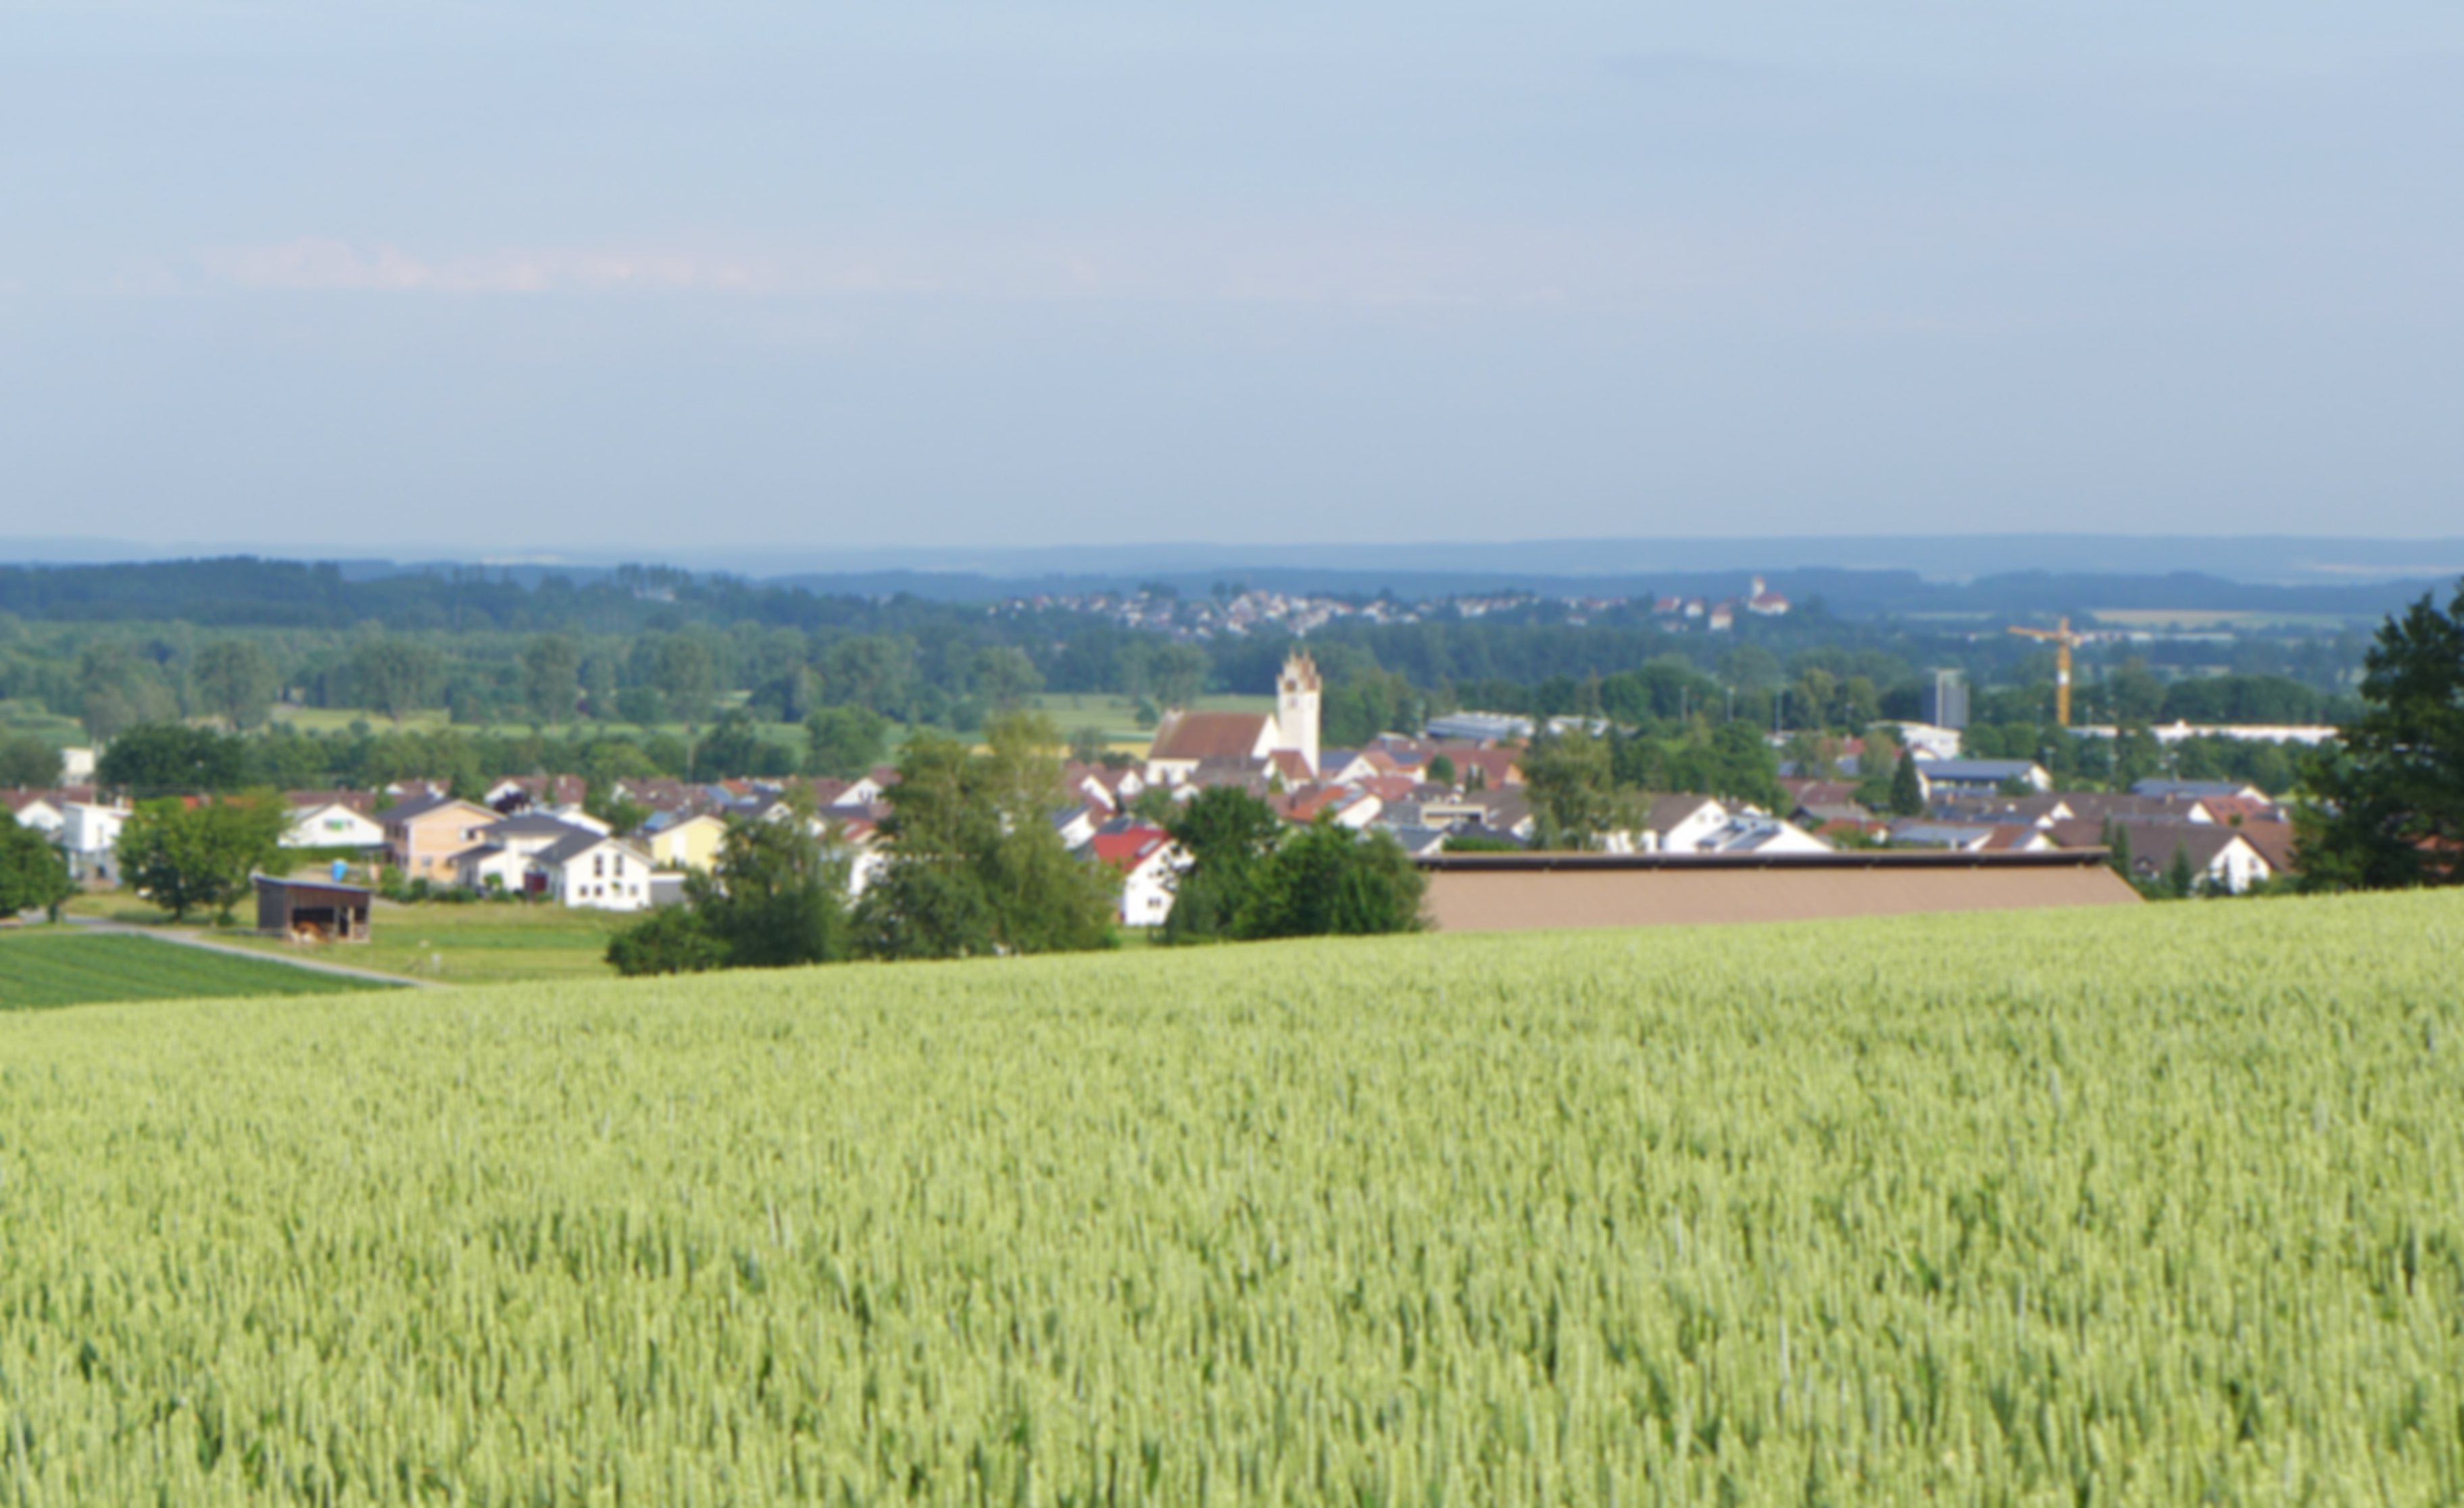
(473, 278)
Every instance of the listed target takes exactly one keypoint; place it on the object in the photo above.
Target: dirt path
(187, 939)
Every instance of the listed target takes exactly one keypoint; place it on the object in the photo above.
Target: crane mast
(2061, 639)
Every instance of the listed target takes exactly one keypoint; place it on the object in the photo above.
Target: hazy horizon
(756, 277)
(2313, 559)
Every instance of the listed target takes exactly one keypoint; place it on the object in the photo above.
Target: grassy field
(46, 965)
(2152, 1205)
(338, 719)
(479, 943)
(1116, 716)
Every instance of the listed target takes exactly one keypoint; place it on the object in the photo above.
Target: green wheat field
(47, 966)
(2158, 1205)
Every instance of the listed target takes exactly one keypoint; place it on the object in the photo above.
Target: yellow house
(690, 844)
(424, 835)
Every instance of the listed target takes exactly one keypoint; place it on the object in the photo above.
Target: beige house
(690, 844)
(424, 835)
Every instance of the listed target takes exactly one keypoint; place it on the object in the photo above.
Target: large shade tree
(187, 856)
(975, 866)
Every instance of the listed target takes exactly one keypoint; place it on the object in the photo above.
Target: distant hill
(248, 591)
(2261, 560)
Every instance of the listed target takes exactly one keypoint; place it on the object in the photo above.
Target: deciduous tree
(236, 680)
(1327, 881)
(1226, 833)
(184, 858)
(32, 873)
(172, 759)
(395, 676)
(1572, 790)
(845, 742)
(26, 760)
(975, 864)
(551, 678)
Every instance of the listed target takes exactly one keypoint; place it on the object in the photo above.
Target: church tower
(1296, 704)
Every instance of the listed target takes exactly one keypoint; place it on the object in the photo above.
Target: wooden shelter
(1512, 892)
(311, 910)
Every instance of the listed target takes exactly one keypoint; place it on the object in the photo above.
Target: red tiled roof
(1131, 847)
(1307, 805)
(1209, 735)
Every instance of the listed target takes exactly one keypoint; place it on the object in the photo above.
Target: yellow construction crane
(2061, 639)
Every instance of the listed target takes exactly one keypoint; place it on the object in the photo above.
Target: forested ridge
(703, 661)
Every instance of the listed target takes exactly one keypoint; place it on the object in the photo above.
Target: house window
(598, 865)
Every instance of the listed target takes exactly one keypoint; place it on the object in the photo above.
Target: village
(1459, 785)
(1240, 612)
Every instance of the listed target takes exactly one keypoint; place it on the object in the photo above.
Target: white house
(1077, 824)
(505, 855)
(90, 835)
(865, 860)
(1679, 824)
(591, 870)
(2220, 857)
(36, 810)
(1929, 741)
(1148, 861)
(1753, 832)
(862, 791)
(331, 825)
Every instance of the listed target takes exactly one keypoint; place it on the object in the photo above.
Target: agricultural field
(2163, 1203)
(47, 966)
(470, 943)
(436, 719)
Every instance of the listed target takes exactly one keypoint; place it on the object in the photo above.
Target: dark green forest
(707, 675)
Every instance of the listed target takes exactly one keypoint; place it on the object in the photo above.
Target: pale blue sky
(465, 277)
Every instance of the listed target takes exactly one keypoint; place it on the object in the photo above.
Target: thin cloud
(1458, 265)
(318, 265)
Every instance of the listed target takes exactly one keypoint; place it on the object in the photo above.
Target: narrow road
(187, 939)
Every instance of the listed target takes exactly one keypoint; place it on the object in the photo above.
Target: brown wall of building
(1514, 900)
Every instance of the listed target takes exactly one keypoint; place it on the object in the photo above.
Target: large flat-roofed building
(1518, 892)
